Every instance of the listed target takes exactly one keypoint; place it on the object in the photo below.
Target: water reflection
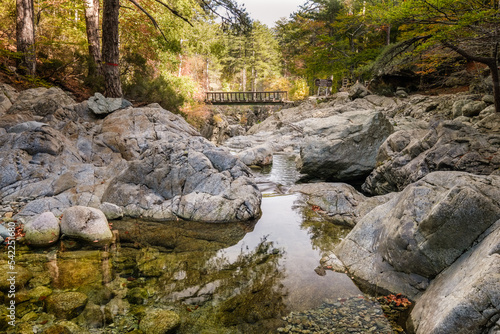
(220, 278)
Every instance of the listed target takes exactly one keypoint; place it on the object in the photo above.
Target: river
(258, 277)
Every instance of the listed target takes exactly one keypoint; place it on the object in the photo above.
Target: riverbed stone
(158, 321)
(137, 295)
(43, 230)
(22, 277)
(473, 108)
(339, 202)
(66, 305)
(88, 224)
(40, 101)
(358, 90)
(111, 211)
(187, 179)
(400, 246)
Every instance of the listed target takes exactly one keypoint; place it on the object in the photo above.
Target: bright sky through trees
(270, 11)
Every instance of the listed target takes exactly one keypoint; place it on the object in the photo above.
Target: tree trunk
(491, 62)
(92, 24)
(388, 36)
(496, 83)
(25, 35)
(110, 44)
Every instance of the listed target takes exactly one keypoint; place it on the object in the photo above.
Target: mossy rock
(39, 293)
(66, 305)
(56, 329)
(77, 269)
(97, 293)
(22, 276)
(138, 296)
(160, 322)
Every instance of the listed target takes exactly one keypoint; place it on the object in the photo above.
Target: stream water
(257, 277)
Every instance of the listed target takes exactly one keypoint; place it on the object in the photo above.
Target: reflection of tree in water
(325, 235)
(245, 295)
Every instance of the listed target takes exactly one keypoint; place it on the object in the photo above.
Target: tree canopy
(173, 51)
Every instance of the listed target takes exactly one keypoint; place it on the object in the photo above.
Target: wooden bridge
(228, 98)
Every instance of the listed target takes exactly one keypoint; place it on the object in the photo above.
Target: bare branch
(467, 55)
(176, 13)
(150, 17)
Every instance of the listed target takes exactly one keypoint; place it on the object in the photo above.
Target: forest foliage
(197, 52)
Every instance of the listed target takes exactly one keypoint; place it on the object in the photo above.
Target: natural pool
(257, 277)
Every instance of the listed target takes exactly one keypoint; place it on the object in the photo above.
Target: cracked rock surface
(437, 242)
(143, 162)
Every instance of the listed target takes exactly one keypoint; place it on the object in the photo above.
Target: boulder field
(430, 225)
(134, 162)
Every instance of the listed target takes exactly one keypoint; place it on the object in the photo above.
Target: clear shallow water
(220, 278)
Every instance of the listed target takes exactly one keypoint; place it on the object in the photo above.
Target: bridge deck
(278, 97)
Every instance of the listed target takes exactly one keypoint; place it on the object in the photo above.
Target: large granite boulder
(402, 245)
(407, 156)
(464, 298)
(87, 224)
(189, 179)
(343, 147)
(40, 101)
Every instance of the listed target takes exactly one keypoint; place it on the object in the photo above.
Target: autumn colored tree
(469, 28)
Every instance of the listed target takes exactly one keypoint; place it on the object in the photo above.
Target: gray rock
(407, 156)
(61, 164)
(87, 224)
(26, 126)
(5, 103)
(66, 305)
(401, 92)
(340, 202)
(400, 245)
(159, 322)
(488, 99)
(343, 147)
(457, 108)
(44, 230)
(41, 101)
(4, 232)
(104, 105)
(473, 108)
(464, 298)
(332, 261)
(111, 211)
(260, 155)
(180, 181)
(358, 91)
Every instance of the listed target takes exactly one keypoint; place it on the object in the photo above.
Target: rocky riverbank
(132, 162)
(426, 226)
(431, 231)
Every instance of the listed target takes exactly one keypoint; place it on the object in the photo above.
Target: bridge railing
(246, 97)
